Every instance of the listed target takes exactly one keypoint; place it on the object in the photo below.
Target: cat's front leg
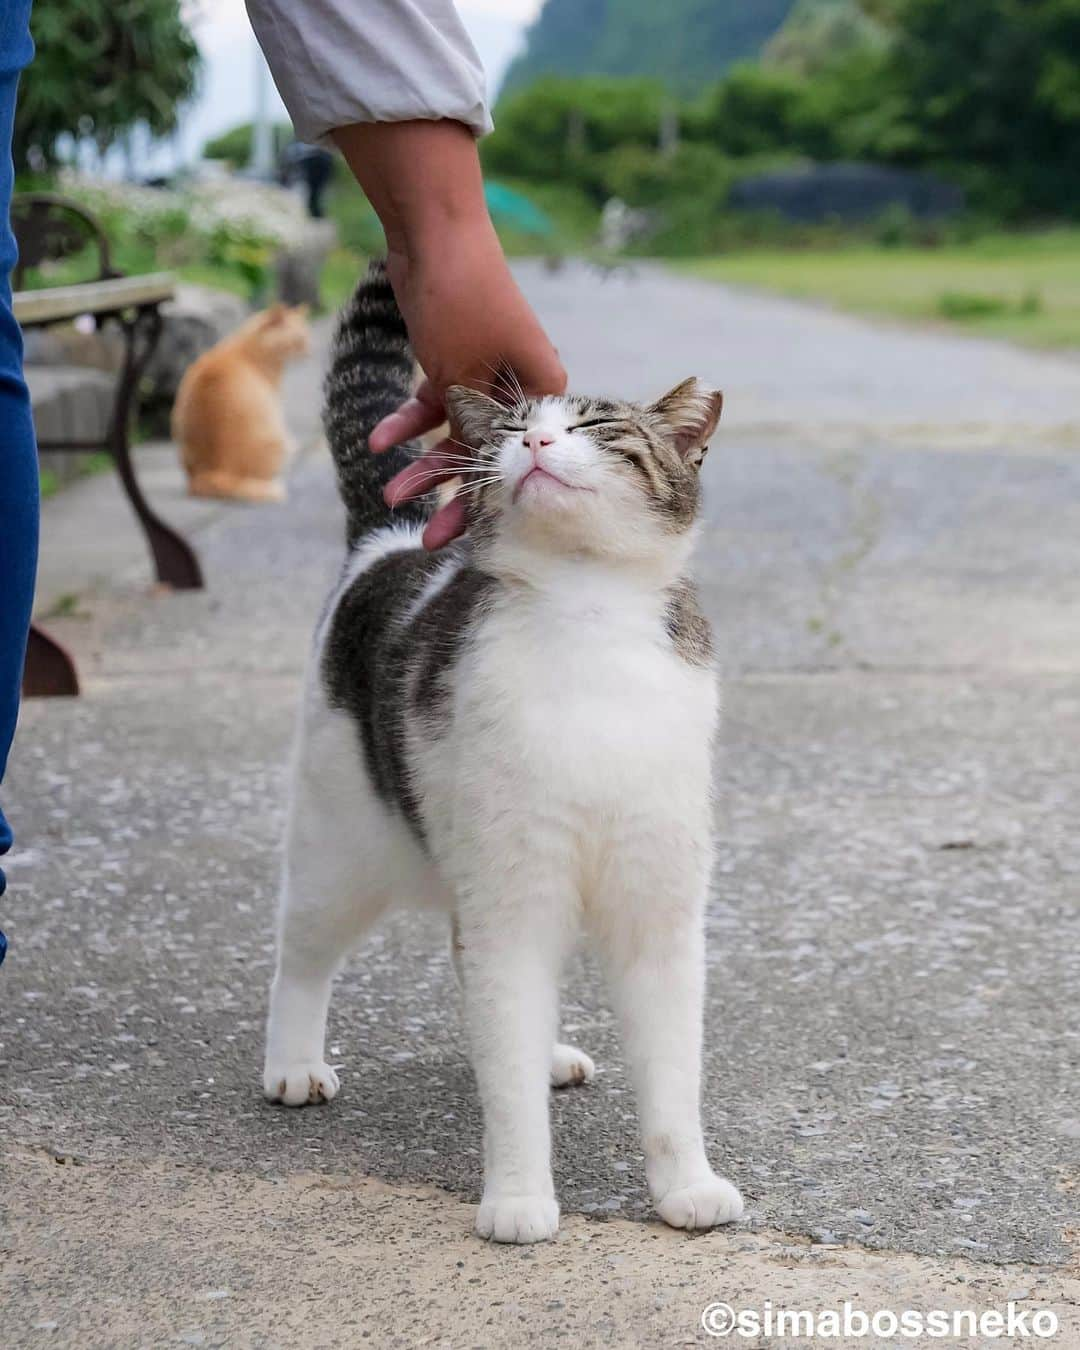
(655, 964)
(511, 948)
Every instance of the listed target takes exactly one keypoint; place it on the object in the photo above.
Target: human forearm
(467, 318)
(423, 179)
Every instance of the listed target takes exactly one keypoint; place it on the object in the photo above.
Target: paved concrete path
(892, 562)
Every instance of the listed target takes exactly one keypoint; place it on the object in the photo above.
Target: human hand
(466, 317)
(469, 324)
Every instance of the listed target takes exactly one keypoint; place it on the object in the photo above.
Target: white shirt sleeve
(336, 62)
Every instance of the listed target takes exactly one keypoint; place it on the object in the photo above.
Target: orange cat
(227, 418)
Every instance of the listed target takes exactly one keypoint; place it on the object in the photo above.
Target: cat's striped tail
(370, 374)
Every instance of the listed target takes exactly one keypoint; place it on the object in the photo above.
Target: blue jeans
(18, 455)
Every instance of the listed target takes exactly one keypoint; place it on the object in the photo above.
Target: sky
(230, 55)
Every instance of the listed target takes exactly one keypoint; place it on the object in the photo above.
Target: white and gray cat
(516, 731)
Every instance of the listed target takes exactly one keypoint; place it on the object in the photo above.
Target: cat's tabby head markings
(578, 476)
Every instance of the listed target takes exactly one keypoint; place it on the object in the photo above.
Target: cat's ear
(274, 314)
(472, 415)
(688, 415)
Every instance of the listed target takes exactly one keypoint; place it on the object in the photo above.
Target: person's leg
(319, 169)
(18, 456)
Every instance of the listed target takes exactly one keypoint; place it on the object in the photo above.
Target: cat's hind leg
(322, 918)
(345, 859)
(570, 1067)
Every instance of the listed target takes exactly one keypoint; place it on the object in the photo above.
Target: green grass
(65, 606)
(1021, 287)
(136, 259)
(217, 277)
(98, 461)
(134, 262)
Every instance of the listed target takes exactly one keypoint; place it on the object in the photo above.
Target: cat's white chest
(587, 702)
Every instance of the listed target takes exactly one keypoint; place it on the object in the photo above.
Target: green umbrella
(510, 208)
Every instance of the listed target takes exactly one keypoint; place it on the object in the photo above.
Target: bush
(966, 305)
(757, 110)
(235, 145)
(226, 232)
(357, 224)
(961, 305)
(644, 177)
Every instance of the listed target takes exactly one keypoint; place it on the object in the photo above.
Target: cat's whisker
(470, 455)
(474, 475)
(491, 384)
(474, 485)
(457, 462)
(506, 381)
(517, 386)
(474, 450)
(467, 489)
(522, 396)
(463, 466)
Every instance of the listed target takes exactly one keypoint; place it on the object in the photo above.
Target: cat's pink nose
(536, 440)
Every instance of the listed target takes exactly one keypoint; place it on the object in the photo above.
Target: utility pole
(262, 134)
(575, 132)
(669, 127)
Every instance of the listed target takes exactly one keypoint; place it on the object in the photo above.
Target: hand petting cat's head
(585, 476)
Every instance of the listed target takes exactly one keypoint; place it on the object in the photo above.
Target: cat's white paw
(570, 1066)
(518, 1218)
(703, 1204)
(300, 1084)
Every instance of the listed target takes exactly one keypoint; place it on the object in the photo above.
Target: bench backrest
(50, 228)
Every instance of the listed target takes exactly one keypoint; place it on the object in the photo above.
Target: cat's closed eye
(595, 422)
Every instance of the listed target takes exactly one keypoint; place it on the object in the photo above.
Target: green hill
(685, 43)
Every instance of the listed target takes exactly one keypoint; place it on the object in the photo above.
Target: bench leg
(49, 671)
(174, 560)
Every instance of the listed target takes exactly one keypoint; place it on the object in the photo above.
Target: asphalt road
(892, 562)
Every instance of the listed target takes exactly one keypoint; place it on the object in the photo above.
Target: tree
(760, 110)
(995, 85)
(102, 68)
(560, 129)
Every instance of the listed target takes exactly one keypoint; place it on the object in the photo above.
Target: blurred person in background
(18, 454)
(312, 165)
(398, 87)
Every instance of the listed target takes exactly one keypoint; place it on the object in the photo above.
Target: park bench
(51, 229)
